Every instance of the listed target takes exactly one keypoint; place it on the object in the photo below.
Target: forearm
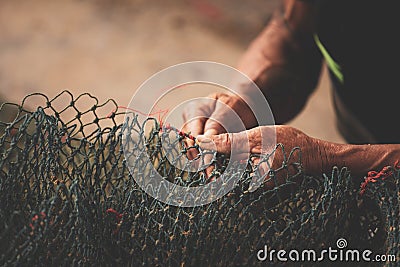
(358, 158)
(284, 62)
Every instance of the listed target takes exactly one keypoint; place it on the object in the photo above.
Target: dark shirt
(361, 36)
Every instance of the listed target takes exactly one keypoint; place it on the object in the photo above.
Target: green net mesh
(68, 198)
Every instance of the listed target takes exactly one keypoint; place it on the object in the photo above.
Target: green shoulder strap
(332, 65)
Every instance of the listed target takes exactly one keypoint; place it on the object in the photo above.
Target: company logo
(339, 253)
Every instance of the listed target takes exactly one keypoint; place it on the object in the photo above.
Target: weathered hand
(216, 114)
(261, 140)
(212, 115)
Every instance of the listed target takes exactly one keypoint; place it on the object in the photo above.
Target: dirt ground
(108, 48)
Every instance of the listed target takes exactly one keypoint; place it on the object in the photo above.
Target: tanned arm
(284, 60)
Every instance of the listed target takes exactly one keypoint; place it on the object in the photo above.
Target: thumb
(224, 118)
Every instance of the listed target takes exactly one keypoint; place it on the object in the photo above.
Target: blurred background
(109, 48)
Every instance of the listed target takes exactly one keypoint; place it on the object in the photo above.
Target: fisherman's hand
(261, 141)
(214, 114)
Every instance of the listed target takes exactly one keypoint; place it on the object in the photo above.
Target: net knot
(118, 215)
(374, 176)
(36, 218)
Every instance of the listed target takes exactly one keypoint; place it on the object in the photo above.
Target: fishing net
(67, 196)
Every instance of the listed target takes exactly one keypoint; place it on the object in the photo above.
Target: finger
(194, 118)
(209, 170)
(224, 143)
(210, 132)
(194, 127)
(222, 120)
(231, 114)
(196, 114)
(259, 140)
(214, 126)
(207, 160)
(214, 141)
(238, 146)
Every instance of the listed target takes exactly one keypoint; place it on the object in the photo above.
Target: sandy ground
(108, 48)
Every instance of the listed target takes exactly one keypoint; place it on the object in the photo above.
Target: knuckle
(228, 138)
(214, 95)
(222, 139)
(187, 109)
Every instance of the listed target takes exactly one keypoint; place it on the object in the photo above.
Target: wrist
(319, 156)
(359, 159)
